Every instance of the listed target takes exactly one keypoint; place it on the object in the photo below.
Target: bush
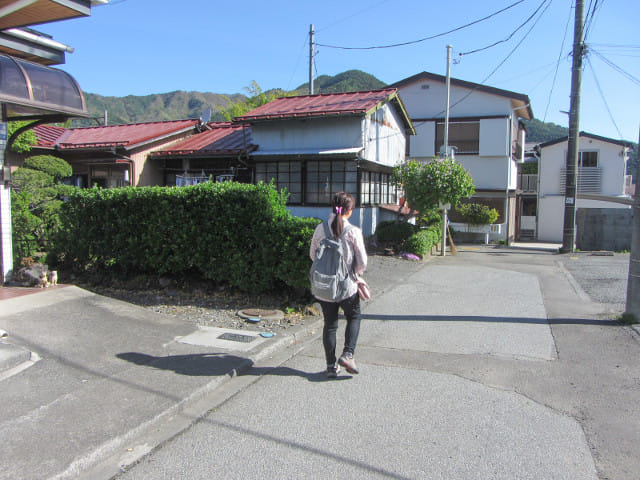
(421, 242)
(477, 213)
(394, 233)
(236, 235)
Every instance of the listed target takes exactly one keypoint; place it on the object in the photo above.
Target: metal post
(633, 284)
(311, 43)
(446, 110)
(6, 246)
(444, 232)
(569, 229)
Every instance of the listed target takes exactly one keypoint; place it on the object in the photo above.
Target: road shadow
(218, 364)
(480, 319)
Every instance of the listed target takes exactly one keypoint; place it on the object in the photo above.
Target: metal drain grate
(236, 337)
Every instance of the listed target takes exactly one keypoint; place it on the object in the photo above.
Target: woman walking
(355, 257)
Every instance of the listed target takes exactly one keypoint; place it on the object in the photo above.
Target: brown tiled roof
(223, 138)
(129, 135)
(324, 105)
(47, 135)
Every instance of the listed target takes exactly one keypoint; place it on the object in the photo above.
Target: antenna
(206, 115)
(204, 119)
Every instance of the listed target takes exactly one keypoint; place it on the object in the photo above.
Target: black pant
(351, 308)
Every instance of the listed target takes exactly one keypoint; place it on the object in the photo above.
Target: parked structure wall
(604, 229)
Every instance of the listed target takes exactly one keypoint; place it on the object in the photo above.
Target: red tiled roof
(47, 135)
(331, 104)
(224, 138)
(117, 135)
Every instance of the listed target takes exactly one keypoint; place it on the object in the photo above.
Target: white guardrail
(495, 228)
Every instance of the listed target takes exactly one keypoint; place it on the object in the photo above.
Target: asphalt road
(491, 364)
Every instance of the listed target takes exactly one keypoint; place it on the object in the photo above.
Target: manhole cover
(236, 337)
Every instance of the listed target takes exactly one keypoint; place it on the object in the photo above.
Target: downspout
(130, 168)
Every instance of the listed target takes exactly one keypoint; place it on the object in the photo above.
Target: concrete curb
(101, 463)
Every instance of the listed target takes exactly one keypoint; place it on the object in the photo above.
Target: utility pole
(633, 284)
(446, 149)
(569, 232)
(311, 43)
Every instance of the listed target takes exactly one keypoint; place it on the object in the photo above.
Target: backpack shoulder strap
(327, 229)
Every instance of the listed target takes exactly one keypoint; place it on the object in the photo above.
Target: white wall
(494, 137)
(384, 137)
(423, 144)
(6, 247)
(324, 133)
(430, 102)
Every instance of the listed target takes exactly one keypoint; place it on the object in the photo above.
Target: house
(317, 145)
(485, 131)
(602, 166)
(220, 152)
(313, 146)
(115, 155)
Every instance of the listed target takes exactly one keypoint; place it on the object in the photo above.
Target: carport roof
(28, 89)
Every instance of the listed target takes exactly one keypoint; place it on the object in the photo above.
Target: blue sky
(140, 47)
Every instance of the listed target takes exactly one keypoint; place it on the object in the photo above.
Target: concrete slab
(213, 337)
(428, 314)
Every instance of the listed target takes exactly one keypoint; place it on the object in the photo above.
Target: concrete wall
(603, 229)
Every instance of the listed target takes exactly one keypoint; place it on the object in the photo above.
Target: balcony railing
(589, 180)
(528, 183)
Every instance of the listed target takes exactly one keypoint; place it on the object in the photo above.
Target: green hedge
(237, 235)
(394, 233)
(477, 213)
(421, 242)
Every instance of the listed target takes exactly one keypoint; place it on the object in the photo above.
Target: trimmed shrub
(234, 234)
(394, 233)
(421, 242)
(477, 213)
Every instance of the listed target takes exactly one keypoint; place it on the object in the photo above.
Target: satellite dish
(206, 115)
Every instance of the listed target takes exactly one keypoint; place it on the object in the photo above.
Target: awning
(19, 13)
(30, 90)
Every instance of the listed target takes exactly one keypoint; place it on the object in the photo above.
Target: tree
(25, 140)
(427, 185)
(256, 98)
(36, 196)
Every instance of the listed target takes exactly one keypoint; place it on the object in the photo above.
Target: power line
(555, 75)
(603, 97)
(425, 38)
(615, 67)
(506, 39)
(502, 62)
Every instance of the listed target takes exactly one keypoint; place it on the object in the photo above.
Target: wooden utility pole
(569, 231)
(311, 43)
(633, 285)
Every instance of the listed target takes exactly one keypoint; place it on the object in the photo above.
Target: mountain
(180, 104)
(538, 132)
(154, 108)
(349, 81)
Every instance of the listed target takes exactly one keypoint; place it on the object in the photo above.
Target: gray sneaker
(333, 370)
(347, 361)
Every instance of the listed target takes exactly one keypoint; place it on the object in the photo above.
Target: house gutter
(38, 40)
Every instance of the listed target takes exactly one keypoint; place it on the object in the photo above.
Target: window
(465, 136)
(325, 178)
(284, 175)
(377, 188)
(588, 159)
